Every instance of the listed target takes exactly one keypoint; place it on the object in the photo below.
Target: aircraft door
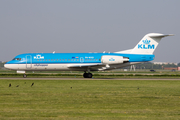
(81, 59)
(28, 61)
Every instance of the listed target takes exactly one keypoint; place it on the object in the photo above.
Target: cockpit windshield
(17, 59)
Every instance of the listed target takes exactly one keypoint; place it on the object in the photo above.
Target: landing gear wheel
(87, 75)
(24, 76)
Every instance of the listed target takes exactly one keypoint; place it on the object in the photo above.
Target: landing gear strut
(24, 76)
(87, 75)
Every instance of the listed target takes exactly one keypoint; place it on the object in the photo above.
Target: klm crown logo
(146, 45)
(111, 59)
(146, 41)
(38, 57)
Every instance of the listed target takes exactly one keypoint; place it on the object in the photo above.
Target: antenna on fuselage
(104, 51)
(54, 52)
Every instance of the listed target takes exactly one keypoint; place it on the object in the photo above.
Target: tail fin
(148, 43)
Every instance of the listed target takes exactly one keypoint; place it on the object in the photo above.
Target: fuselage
(64, 61)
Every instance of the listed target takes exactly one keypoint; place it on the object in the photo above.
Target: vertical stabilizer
(148, 43)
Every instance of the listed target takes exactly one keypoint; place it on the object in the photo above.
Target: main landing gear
(87, 75)
(24, 76)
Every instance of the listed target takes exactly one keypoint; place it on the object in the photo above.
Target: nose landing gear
(87, 75)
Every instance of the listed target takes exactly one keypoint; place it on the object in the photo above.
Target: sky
(80, 26)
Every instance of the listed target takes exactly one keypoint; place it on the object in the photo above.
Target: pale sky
(65, 26)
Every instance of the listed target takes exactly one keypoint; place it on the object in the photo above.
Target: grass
(145, 71)
(89, 99)
(80, 75)
(99, 74)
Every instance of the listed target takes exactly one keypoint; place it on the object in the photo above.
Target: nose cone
(7, 66)
(11, 65)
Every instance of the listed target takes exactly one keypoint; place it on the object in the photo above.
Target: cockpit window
(17, 59)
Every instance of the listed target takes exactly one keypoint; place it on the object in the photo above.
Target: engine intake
(107, 59)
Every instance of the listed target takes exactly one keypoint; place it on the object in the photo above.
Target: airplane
(87, 62)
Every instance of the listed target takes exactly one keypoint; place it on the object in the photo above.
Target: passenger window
(48, 59)
(41, 60)
(99, 59)
(96, 59)
(17, 58)
(90, 59)
(57, 59)
(54, 59)
(85, 59)
(51, 59)
(77, 59)
(38, 60)
(65, 59)
(93, 59)
(74, 59)
(62, 59)
(71, 59)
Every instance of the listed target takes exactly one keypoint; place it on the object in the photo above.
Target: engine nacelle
(107, 59)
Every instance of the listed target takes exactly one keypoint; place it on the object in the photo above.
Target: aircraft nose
(7, 66)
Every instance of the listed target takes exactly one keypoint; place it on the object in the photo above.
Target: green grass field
(90, 99)
(99, 74)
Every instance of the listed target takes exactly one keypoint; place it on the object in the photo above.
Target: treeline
(1, 65)
(150, 65)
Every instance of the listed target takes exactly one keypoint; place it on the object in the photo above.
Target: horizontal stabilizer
(161, 36)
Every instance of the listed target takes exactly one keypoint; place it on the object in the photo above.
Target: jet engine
(107, 59)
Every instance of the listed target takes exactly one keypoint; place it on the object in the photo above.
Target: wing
(85, 67)
(99, 67)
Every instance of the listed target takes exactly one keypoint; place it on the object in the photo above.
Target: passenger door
(28, 61)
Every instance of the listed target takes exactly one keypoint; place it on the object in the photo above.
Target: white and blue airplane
(87, 62)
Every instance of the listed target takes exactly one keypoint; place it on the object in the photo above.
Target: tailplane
(147, 45)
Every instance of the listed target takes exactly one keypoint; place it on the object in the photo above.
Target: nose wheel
(87, 75)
